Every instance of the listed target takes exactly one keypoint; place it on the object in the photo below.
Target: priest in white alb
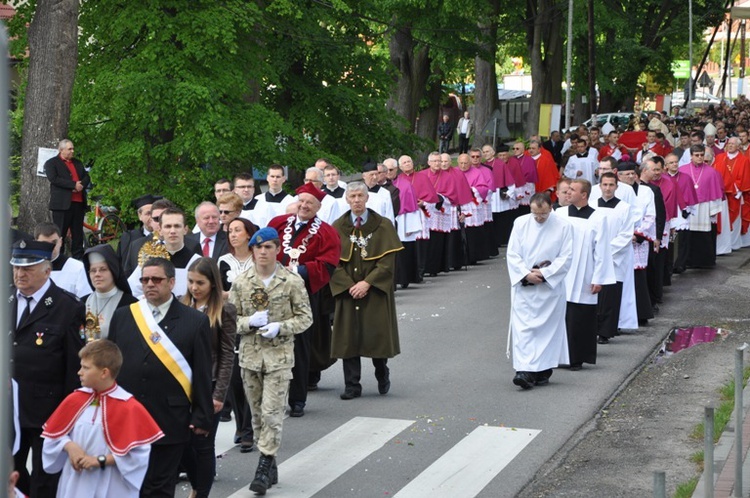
(539, 255)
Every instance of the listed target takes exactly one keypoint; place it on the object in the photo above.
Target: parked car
(617, 119)
(700, 98)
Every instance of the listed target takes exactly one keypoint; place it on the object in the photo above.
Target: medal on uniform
(39, 341)
(259, 299)
(155, 337)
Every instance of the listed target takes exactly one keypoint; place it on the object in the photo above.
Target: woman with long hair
(204, 294)
(237, 261)
(239, 258)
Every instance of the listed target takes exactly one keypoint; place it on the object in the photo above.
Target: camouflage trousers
(267, 394)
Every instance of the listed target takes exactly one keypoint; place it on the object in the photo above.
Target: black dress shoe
(602, 340)
(225, 417)
(677, 270)
(347, 394)
(523, 380)
(246, 447)
(312, 387)
(384, 386)
(574, 367)
(297, 411)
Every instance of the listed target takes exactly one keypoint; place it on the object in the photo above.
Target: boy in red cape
(101, 430)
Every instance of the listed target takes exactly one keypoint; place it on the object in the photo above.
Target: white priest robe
(72, 278)
(122, 480)
(592, 256)
(381, 203)
(537, 320)
(265, 211)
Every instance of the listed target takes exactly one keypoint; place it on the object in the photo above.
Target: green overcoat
(368, 326)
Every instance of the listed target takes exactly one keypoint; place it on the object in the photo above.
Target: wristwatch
(102, 461)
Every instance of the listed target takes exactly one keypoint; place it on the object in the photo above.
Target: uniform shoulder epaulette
(70, 295)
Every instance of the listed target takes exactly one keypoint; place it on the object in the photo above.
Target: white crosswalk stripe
(458, 472)
(332, 455)
(471, 464)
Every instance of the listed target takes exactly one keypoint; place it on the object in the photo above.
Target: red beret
(309, 188)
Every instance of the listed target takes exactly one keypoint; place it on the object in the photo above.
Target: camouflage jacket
(287, 303)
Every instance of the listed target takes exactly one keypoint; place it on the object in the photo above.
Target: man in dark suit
(67, 201)
(555, 145)
(210, 237)
(157, 209)
(143, 208)
(153, 331)
(46, 329)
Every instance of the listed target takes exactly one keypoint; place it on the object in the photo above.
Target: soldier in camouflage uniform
(272, 306)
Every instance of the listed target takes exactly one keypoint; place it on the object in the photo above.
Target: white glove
(271, 330)
(258, 319)
(738, 195)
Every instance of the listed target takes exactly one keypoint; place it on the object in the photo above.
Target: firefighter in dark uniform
(47, 333)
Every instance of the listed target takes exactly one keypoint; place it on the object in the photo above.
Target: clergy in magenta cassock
(697, 245)
(539, 254)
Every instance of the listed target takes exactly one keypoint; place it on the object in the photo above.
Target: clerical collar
(635, 187)
(178, 250)
(536, 156)
(582, 212)
(608, 204)
(732, 155)
(583, 154)
(270, 197)
(59, 262)
(376, 188)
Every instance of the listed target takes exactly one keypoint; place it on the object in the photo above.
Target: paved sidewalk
(725, 456)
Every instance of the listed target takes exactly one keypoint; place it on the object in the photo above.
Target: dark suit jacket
(221, 247)
(555, 148)
(127, 238)
(62, 184)
(146, 377)
(46, 372)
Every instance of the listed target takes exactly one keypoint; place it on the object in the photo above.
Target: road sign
(681, 69)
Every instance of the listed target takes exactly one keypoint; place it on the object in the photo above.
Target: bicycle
(107, 225)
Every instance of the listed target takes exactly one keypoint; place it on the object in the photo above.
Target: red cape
(452, 184)
(323, 247)
(126, 422)
(548, 175)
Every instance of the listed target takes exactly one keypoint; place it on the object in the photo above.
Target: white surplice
(537, 320)
(592, 256)
(122, 480)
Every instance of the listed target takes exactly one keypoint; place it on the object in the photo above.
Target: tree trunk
(485, 91)
(412, 66)
(53, 56)
(545, 42)
(430, 118)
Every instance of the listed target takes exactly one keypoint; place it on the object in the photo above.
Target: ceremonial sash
(162, 346)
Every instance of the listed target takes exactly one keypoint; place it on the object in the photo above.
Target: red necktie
(358, 224)
(206, 248)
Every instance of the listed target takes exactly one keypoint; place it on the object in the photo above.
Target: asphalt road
(453, 423)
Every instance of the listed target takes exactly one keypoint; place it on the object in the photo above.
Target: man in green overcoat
(365, 322)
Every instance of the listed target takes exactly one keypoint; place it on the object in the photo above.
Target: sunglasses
(223, 211)
(156, 218)
(156, 280)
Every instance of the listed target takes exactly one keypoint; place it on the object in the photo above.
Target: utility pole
(592, 63)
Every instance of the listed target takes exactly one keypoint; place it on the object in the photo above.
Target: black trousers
(353, 371)
(463, 143)
(163, 466)
(581, 326)
(240, 406)
(71, 219)
(301, 370)
(655, 274)
(39, 484)
(608, 309)
(199, 460)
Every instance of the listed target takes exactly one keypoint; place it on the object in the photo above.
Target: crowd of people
(268, 290)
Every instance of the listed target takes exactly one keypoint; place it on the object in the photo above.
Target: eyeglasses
(475, 157)
(224, 211)
(94, 271)
(155, 280)
(245, 186)
(156, 218)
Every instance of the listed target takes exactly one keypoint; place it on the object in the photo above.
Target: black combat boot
(274, 472)
(263, 480)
